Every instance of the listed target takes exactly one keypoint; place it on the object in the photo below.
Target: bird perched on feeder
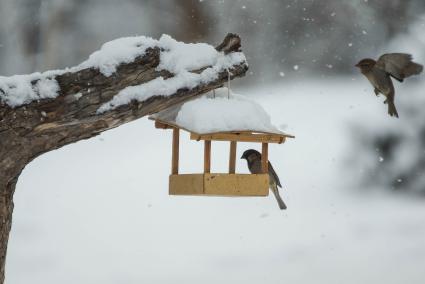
(379, 73)
(253, 158)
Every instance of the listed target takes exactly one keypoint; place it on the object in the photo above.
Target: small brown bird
(253, 158)
(379, 73)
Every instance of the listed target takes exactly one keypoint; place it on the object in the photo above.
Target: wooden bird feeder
(218, 184)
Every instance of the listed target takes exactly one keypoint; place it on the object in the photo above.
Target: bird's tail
(280, 202)
(392, 111)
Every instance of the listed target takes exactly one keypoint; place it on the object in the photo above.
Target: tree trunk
(41, 126)
(6, 209)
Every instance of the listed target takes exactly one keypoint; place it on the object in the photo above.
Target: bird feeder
(216, 184)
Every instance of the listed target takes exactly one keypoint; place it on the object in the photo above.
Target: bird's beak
(357, 65)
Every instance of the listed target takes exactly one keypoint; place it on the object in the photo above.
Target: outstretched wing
(398, 65)
(273, 173)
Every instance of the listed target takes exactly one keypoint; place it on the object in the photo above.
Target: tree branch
(83, 92)
(30, 130)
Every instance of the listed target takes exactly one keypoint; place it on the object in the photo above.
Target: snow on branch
(126, 79)
(180, 59)
(176, 57)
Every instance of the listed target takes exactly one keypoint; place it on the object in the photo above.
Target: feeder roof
(224, 112)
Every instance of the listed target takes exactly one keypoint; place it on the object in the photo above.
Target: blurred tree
(187, 21)
(394, 13)
(194, 20)
(60, 23)
(31, 32)
(399, 162)
(294, 37)
(326, 37)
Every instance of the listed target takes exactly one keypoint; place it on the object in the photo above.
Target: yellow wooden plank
(219, 184)
(242, 137)
(186, 184)
(207, 156)
(175, 151)
(236, 184)
(170, 125)
(280, 133)
(232, 157)
(167, 125)
(277, 137)
(265, 158)
(160, 125)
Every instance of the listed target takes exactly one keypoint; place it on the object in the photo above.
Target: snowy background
(98, 211)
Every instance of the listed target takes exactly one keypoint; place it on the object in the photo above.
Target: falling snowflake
(381, 159)
(281, 74)
(264, 215)
(350, 44)
(296, 67)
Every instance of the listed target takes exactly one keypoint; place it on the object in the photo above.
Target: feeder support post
(175, 152)
(265, 158)
(207, 156)
(232, 157)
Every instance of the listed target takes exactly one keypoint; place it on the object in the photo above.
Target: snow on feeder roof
(220, 116)
(220, 112)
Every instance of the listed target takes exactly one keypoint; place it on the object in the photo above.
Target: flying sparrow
(379, 73)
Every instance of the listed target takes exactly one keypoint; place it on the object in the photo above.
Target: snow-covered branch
(126, 79)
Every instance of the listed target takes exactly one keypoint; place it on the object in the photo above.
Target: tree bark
(41, 126)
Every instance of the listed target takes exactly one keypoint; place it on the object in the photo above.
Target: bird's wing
(398, 65)
(273, 173)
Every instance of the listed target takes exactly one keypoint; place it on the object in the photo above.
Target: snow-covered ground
(98, 211)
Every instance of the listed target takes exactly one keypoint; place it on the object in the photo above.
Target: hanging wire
(214, 93)
(228, 84)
